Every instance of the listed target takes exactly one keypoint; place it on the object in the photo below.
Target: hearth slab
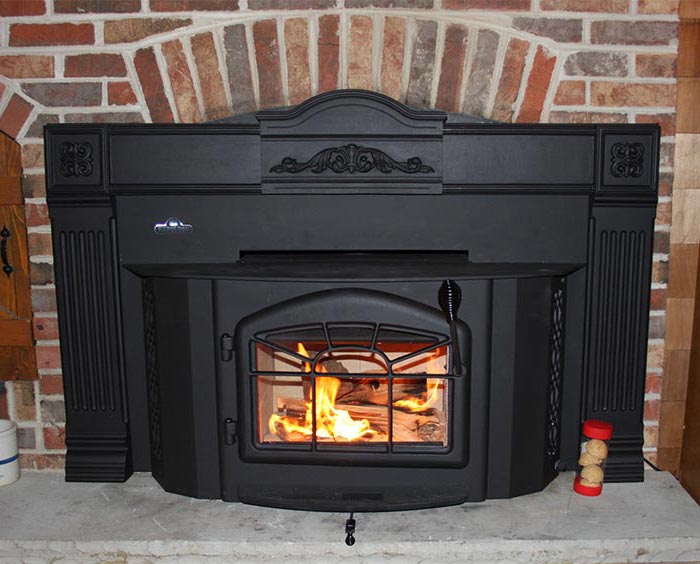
(44, 519)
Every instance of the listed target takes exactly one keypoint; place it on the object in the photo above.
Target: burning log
(376, 392)
(408, 427)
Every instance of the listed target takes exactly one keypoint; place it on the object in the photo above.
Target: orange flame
(331, 422)
(434, 366)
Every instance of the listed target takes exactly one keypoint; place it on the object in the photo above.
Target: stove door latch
(226, 347)
(230, 431)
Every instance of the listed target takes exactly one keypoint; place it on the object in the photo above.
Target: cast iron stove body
(252, 310)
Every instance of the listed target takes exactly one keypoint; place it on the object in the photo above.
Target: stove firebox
(351, 304)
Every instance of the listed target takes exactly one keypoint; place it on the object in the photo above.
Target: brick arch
(454, 65)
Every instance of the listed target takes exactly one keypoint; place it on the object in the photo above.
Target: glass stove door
(360, 386)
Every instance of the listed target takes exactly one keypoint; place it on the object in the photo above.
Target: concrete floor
(45, 520)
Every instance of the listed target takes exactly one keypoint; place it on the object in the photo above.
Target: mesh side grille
(149, 320)
(556, 369)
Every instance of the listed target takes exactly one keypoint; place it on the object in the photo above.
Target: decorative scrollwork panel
(352, 159)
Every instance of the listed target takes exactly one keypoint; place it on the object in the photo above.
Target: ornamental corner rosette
(75, 159)
(627, 160)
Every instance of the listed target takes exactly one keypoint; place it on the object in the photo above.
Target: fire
(435, 366)
(331, 422)
(335, 424)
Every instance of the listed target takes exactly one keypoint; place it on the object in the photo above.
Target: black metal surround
(170, 235)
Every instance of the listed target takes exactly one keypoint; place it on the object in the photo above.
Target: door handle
(7, 268)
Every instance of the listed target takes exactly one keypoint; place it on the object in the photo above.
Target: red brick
(360, 53)
(652, 409)
(53, 410)
(152, 86)
(212, 84)
(48, 357)
(96, 6)
(659, 275)
(587, 117)
(658, 299)
(51, 384)
(36, 214)
(662, 242)
(633, 33)
(193, 5)
(267, 56)
(511, 77)
(28, 35)
(98, 64)
(240, 79)
(420, 78)
(45, 328)
(15, 114)
(664, 66)
(29, 461)
(452, 68)
(4, 408)
(665, 183)
(105, 117)
(663, 213)
(34, 186)
(41, 273)
(9, 8)
(120, 94)
(667, 122)
(135, 29)
(68, 94)
(563, 30)
(667, 155)
(537, 86)
(33, 156)
(486, 4)
(36, 129)
(651, 436)
(25, 401)
(181, 83)
(290, 4)
(328, 53)
(653, 384)
(420, 4)
(26, 66)
(611, 6)
(618, 94)
(43, 300)
(657, 7)
(597, 63)
(392, 56)
(657, 323)
(54, 438)
(296, 40)
(571, 92)
(480, 81)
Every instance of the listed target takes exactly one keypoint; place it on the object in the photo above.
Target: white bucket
(9, 453)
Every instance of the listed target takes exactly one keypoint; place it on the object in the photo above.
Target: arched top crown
(351, 112)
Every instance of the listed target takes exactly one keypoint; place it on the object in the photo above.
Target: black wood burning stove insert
(351, 304)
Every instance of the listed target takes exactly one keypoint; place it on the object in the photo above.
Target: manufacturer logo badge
(172, 225)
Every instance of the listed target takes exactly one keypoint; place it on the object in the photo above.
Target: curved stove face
(348, 398)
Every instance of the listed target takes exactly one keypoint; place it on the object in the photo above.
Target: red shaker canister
(595, 440)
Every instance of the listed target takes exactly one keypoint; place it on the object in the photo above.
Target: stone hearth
(45, 520)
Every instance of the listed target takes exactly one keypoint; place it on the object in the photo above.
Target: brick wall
(80, 61)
